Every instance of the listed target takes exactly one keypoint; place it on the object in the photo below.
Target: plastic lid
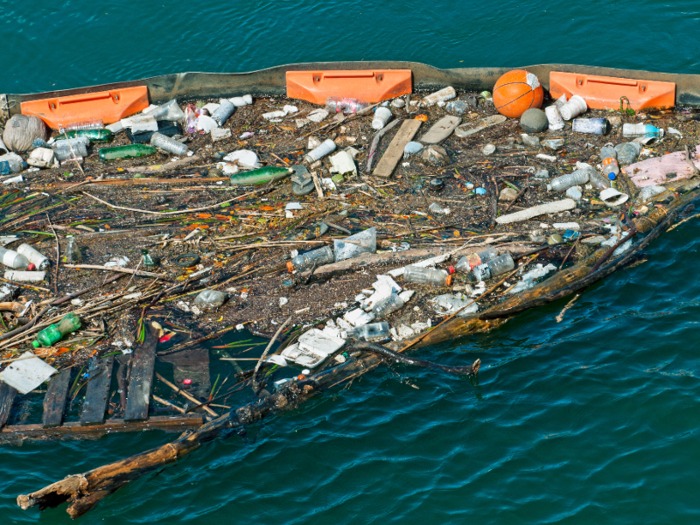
(36, 344)
(290, 266)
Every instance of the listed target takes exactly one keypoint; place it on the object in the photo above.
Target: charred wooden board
(97, 392)
(142, 364)
(55, 399)
(7, 397)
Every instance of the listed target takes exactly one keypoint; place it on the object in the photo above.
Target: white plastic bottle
(34, 256)
(13, 259)
(169, 144)
(641, 130)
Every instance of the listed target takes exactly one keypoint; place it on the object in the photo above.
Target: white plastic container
(573, 108)
(381, 117)
(326, 148)
(443, 95)
(34, 256)
(25, 277)
(169, 144)
(554, 117)
(13, 259)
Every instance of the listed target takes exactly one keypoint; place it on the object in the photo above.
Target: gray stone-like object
(534, 121)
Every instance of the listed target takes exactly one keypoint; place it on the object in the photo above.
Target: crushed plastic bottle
(493, 268)
(387, 305)
(370, 332)
(319, 257)
(628, 152)
(564, 182)
(345, 105)
(13, 259)
(210, 299)
(471, 261)
(363, 242)
(54, 333)
(416, 274)
(94, 123)
(169, 111)
(169, 144)
(73, 254)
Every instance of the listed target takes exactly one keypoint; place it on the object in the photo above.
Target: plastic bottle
(443, 95)
(12, 163)
(471, 261)
(223, 112)
(13, 259)
(628, 152)
(74, 142)
(210, 299)
(168, 144)
(592, 126)
(69, 152)
(597, 179)
(381, 117)
(371, 331)
(387, 305)
(73, 254)
(565, 182)
(493, 268)
(611, 168)
(345, 105)
(95, 135)
(94, 123)
(126, 152)
(54, 333)
(327, 147)
(35, 257)
(416, 274)
(573, 108)
(148, 261)
(363, 242)
(307, 260)
(641, 130)
(169, 111)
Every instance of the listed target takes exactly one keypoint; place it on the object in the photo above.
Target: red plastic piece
(370, 85)
(605, 92)
(108, 106)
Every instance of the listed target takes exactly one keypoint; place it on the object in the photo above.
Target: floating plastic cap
(36, 344)
(448, 281)
(611, 176)
(290, 266)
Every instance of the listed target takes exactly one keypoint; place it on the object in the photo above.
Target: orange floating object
(605, 92)
(369, 85)
(108, 106)
(516, 92)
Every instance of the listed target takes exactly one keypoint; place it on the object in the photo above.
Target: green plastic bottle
(148, 261)
(260, 176)
(54, 333)
(95, 135)
(126, 152)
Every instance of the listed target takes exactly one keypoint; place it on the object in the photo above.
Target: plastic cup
(554, 117)
(573, 108)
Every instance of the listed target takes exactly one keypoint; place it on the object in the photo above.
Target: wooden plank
(97, 392)
(392, 155)
(77, 430)
(7, 397)
(55, 399)
(141, 378)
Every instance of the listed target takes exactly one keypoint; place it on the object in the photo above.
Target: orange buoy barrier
(108, 106)
(370, 85)
(606, 92)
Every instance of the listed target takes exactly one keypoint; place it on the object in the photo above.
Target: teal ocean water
(593, 419)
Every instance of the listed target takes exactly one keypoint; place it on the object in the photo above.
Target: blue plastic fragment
(480, 191)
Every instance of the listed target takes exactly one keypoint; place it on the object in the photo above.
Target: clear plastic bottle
(307, 260)
(13, 259)
(54, 333)
(223, 112)
(592, 126)
(387, 305)
(34, 256)
(471, 261)
(565, 182)
(326, 148)
(641, 130)
(169, 111)
(73, 142)
(70, 152)
(94, 123)
(611, 169)
(11, 163)
(73, 254)
(443, 95)
(371, 331)
(148, 261)
(345, 105)
(493, 268)
(628, 152)
(169, 144)
(416, 274)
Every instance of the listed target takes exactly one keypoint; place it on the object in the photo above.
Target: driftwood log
(84, 491)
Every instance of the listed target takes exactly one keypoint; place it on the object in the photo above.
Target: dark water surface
(590, 420)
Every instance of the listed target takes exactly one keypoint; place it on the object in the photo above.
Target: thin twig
(164, 213)
(257, 367)
(58, 255)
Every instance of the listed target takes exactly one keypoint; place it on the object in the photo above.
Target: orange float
(371, 86)
(516, 92)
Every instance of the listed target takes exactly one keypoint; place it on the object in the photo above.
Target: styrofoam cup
(554, 118)
(573, 108)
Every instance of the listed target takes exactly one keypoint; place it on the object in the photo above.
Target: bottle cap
(186, 381)
(451, 270)
(36, 344)
(448, 281)
(290, 266)
(611, 176)
(31, 267)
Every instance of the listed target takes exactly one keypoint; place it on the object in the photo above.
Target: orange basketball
(516, 92)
